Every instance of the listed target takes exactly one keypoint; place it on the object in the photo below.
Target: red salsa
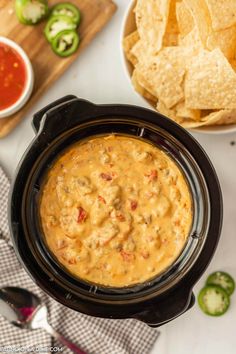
(13, 76)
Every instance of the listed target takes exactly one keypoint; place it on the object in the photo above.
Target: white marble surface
(98, 75)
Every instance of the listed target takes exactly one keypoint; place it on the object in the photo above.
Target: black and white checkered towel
(93, 335)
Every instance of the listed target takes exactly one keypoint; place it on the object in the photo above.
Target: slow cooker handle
(37, 118)
(61, 114)
(167, 309)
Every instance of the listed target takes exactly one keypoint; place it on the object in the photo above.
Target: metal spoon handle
(63, 340)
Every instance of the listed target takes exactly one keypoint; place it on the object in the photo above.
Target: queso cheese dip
(115, 210)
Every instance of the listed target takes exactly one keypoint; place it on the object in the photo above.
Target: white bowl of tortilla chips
(181, 57)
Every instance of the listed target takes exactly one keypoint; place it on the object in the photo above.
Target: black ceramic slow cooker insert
(168, 295)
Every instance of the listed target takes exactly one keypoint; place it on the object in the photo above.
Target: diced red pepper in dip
(177, 223)
(72, 261)
(152, 176)
(145, 254)
(127, 257)
(120, 217)
(101, 199)
(106, 176)
(133, 205)
(82, 215)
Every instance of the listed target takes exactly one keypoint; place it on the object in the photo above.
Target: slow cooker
(168, 295)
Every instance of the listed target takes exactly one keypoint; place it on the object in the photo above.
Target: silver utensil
(25, 310)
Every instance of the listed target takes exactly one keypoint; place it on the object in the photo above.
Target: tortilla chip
(210, 82)
(170, 39)
(223, 117)
(185, 112)
(201, 16)
(225, 40)
(233, 64)
(172, 114)
(184, 19)
(128, 43)
(140, 51)
(151, 19)
(172, 29)
(191, 39)
(179, 112)
(168, 112)
(140, 89)
(172, 24)
(164, 73)
(206, 112)
(144, 83)
(190, 124)
(222, 13)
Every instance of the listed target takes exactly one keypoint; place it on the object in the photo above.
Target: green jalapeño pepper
(30, 12)
(213, 300)
(222, 279)
(57, 24)
(65, 43)
(67, 9)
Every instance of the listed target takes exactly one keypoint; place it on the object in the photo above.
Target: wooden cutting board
(48, 66)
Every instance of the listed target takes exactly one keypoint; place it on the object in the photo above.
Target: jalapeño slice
(67, 9)
(57, 24)
(30, 12)
(65, 43)
(213, 300)
(222, 279)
